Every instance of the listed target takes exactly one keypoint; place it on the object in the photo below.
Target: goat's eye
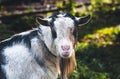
(71, 30)
(74, 32)
(54, 35)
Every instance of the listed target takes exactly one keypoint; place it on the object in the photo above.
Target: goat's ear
(83, 20)
(42, 21)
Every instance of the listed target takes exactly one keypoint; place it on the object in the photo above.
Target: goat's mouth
(65, 55)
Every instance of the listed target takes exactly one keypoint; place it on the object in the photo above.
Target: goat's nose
(65, 47)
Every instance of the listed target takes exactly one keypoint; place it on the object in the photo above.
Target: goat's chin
(65, 57)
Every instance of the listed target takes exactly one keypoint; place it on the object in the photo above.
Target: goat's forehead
(63, 22)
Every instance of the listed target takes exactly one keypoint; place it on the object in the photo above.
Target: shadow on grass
(100, 60)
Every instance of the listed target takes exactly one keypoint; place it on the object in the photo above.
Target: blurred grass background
(98, 47)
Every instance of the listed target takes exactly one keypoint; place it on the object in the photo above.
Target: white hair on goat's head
(63, 27)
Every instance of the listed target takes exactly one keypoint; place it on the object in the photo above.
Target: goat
(45, 52)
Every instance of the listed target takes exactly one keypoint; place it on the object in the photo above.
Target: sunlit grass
(101, 37)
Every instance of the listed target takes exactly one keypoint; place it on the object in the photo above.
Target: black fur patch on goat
(2, 74)
(18, 39)
(2, 62)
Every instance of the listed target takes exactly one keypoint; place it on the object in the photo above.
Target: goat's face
(63, 29)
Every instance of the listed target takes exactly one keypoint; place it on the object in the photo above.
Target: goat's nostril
(65, 47)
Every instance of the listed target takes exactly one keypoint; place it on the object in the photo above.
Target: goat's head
(63, 28)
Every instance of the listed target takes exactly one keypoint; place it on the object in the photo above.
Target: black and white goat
(44, 52)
